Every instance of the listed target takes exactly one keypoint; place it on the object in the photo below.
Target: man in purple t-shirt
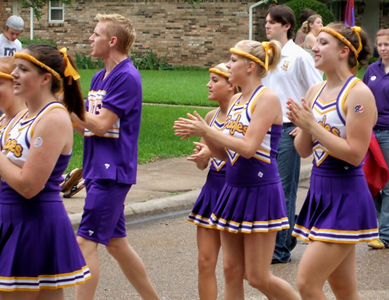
(111, 130)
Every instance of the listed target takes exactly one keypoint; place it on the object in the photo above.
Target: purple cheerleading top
(378, 81)
(262, 168)
(114, 156)
(332, 116)
(16, 145)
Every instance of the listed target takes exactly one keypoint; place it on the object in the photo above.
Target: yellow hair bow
(70, 71)
(268, 50)
(357, 30)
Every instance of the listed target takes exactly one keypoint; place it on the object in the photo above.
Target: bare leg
(86, 291)
(208, 242)
(258, 253)
(233, 265)
(41, 295)
(343, 280)
(132, 267)
(319, 261)
(51, 295)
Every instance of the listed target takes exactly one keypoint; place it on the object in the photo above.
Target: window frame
(57, 8)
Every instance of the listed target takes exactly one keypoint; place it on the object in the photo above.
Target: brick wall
(198, 36)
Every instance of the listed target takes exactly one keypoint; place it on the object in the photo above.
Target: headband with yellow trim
(69, 69)
(345, 41)
(213, 70)
(6, 75)
(249, 56)
(266, 47)
(32, 59)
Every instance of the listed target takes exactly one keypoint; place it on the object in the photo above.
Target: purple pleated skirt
(337, 210)
(207, 199)
(38, 248)
(250, 209)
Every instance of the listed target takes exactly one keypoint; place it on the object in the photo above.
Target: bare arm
(358, 129)
(266, 111)
(55, 136)
(99, 124)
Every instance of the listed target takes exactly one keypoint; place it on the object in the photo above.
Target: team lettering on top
(235, 125)
(12, 146)
(328, 127)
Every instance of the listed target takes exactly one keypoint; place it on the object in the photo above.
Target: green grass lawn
(166, 87)
(156, 138)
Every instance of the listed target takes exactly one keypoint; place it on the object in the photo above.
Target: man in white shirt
(9, 43)
(294, 74)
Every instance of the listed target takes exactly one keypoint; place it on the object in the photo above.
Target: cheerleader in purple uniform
(39, 255)
(335, 120)
(251, 207)
(13, 106)
(208, 239)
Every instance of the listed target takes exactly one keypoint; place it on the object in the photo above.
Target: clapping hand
(194, 125)
(300, 115)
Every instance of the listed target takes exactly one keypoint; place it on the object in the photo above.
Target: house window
(56, 12)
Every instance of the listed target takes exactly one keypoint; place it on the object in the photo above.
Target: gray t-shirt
(8, 48)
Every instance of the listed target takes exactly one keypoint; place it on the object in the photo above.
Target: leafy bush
(85, 62)
(26, 42)
(373, 59)
(320, 8)
(149, 61)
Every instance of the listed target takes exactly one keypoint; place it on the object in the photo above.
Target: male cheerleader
(111, 133)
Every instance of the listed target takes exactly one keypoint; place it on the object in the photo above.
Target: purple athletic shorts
(103, 217)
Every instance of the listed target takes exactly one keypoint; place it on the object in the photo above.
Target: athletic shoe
(275, 261)
(378, 244)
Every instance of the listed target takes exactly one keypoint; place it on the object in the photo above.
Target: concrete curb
(184, 201)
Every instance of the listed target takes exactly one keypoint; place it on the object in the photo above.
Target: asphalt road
(168, 249)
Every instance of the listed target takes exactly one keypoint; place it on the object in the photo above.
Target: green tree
(298, 5)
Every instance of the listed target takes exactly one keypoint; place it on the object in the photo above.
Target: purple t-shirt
(115, 155)
(378, 81)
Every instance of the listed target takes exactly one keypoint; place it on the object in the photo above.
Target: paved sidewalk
(162, 187)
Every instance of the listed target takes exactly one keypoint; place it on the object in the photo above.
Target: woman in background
(311, 28)
(12, 106)
(377, 79)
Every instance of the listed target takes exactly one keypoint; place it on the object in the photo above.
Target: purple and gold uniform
(210, 192)
(38, 249)
(110, 161)
(339, 207)
(252, 199)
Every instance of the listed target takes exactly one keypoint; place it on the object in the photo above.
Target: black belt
(287, 125)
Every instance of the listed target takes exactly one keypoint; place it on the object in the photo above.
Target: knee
(259, 282)
(304, 287)
(206, 262)
(87, 247)
(114, 247)
(233, 272)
